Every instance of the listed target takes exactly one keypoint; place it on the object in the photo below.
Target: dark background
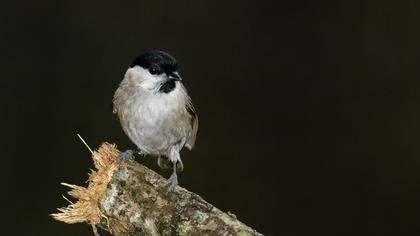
(309, 110)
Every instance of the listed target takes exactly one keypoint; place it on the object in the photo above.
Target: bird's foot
(126, 156)
(172, 183)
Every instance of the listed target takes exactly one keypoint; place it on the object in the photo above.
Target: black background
(309, 110)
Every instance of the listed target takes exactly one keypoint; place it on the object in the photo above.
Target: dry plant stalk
(86, 209)
(126, 198)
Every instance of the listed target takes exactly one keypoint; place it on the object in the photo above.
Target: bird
(155, 111)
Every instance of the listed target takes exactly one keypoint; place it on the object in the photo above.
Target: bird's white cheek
(139, 77)
(150, 84)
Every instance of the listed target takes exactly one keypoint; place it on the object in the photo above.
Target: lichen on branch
(127, 198)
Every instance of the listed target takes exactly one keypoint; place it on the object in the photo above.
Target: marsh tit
(155, 110)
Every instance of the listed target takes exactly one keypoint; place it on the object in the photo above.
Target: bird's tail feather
(164, 163)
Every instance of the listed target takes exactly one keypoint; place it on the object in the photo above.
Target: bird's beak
(174, 76)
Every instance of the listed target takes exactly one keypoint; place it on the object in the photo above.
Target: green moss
(183, 228)
(200, 217)
(121, 174)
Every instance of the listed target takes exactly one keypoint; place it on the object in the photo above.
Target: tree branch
(127, 198)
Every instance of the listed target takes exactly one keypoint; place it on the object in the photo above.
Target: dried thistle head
(86, 208)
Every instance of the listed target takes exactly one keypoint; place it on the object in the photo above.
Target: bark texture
(136, 202)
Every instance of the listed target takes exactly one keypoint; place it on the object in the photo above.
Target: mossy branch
(126, 198)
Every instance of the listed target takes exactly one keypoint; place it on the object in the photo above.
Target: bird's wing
(194, 125)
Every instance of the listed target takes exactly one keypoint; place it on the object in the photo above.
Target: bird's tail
(164, 163)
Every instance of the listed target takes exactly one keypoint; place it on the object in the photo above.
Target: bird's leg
(173, 180)
(126, 156)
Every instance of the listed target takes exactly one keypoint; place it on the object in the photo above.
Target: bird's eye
(154, 70)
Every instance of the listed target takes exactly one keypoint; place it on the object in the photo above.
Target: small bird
(155, 111)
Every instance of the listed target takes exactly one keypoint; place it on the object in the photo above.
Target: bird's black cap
(157, 62)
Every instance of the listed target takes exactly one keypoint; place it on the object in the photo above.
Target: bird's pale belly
(160, 130)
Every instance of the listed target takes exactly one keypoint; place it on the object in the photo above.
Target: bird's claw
(172, 183)
(126, 156)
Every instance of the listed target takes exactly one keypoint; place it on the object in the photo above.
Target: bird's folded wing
(194, 125)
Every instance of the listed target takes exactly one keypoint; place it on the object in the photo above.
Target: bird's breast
(156, 121)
